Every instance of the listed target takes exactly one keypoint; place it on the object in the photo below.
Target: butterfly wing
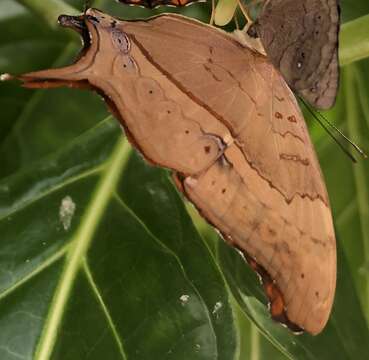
(194, 100)
(151, 4)
(301, 39)
(266, 194)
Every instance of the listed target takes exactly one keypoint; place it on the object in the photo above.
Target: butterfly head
(103, 40)
(88, 24)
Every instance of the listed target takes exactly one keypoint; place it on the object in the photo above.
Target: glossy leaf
(109, 277)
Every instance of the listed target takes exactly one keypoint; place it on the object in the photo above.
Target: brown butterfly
(151, 4)
(195, 100)
(300, 38)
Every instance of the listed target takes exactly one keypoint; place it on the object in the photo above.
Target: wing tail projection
(291, 262)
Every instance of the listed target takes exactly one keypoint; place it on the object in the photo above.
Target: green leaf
(224, 12)
(137, 280)
(352, 9)
(355, 35)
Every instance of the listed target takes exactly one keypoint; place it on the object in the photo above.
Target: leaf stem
(104, 308)
(360, 175)
(80, 245)
(255, 343)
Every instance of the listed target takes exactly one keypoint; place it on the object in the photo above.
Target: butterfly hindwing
(301, 39)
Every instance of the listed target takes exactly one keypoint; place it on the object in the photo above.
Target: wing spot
(223, 191)
(317, 294)
(292, 119)
(187, 132)
(120, 40)
(302, 276)
(93, 18)
(295, 158)
(278, 115)
(207, 149)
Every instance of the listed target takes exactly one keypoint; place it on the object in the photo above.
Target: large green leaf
(99, 258)
(113, 276)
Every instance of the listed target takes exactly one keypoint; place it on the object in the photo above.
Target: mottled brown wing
(266, 195)
(301, 39)
(194, 100)
(151, 4)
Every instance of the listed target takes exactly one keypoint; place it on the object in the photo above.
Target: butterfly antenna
(361, 152)
(245, 13)
(86, 6)
(235, 19)
(355, 146)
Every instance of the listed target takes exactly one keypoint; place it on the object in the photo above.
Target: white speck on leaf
(66, 212)
(217, 306)
(197, 347)
(184, 299)
(5, 77)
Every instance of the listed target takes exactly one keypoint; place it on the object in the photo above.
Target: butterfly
(151, 4)
(193, 99)
(300, 37)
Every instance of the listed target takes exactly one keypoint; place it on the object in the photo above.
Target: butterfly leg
(245, 13)
(211, 21)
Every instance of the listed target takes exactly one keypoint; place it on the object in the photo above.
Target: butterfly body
(196, 101)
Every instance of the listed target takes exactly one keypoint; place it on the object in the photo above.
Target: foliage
(98, 255)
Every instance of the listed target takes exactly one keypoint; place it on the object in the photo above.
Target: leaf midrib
(80, 245)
